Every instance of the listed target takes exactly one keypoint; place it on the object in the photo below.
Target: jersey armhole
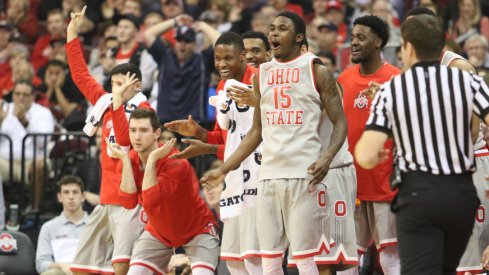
(313, 73)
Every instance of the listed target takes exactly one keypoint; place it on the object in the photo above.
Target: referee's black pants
(435, 217)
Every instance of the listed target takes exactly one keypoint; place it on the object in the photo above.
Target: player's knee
(139, 270)
(307, 266)
(121, 268)
(389, 260)
(253, 266)
(202, 271)
(272, 266)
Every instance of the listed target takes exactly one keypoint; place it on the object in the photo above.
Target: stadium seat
(17, 254)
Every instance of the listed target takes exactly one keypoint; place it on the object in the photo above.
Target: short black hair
(56, 62)
(257, 35)
(376, 24)
(419, 11)
(70, 179)
(127, 68)
(25, 82)
(230, 38)
(141, 113)
(425, 34)
(328, 55)
(299, 25)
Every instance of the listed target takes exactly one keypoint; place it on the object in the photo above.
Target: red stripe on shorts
(148, 267)
(88, 270)
(203, 266)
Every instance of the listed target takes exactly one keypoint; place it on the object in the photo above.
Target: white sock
(202, 271)
(307, 266)
(351, 271)
(389, 261)
(272, 266)
(139, 270)
(236, 268)
(253, 266)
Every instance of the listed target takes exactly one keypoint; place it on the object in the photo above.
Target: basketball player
(105, 246)
(293, 90)
(373, 217)
(168, 190)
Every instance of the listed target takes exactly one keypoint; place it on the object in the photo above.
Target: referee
(427, 110)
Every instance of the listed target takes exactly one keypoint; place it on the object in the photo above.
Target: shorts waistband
(481, 153)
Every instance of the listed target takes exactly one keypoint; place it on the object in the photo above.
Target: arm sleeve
(79, 72)
(378, 119)
(481, 96)
(127, 200)
(44, 253)
(157, 49)
(121, 125)
(169, 175)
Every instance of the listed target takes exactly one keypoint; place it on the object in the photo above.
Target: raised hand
(162, 151)
(116, 151)
(184, 20)
(242, 95)
(196, 148)
(185, 127)
(75, 23)
(120, 87)
(213, 178)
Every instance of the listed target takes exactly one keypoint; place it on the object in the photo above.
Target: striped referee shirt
(428, 111)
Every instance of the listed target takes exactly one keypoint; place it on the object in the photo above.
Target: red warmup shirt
(218, 135)
(373, 184)
(38, 59)
(176, 212)
(93, 91)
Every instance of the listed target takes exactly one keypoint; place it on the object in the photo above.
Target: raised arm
(208, 30)
(78, 67)
(331, 99)
(153, 32)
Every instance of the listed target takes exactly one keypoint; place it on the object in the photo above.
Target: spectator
(384, 10)
(327, 39)
(107, 29)
(23, 117)
(24, 22)
(5, 46)
(468, 22)
(111, 8)
(59, 237)
(329, 60)
(132, 7)
(319, 9)
(90, 20)
(56, 28)
(284, 5)
(105, 62)
(131, 51)
(185, 78)
(336, 15)
(21, 70)
(477, 49)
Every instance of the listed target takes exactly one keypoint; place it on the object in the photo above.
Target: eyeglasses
(22, 94)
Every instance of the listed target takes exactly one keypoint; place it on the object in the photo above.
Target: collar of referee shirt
(426, 63)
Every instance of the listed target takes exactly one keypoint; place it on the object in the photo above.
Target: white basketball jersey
(291, 113)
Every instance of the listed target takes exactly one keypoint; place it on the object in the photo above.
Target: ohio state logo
(7, 243)
(360, 102)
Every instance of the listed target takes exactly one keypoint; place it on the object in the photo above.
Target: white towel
(95, 115)
(242, 183)
(104, 102)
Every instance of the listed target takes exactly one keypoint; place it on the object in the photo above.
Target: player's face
(228, 61)
(71, 197)
(255, 51)
(282, 38)
(126, 31)
(117, 80)
(141, 134)
(364, 44)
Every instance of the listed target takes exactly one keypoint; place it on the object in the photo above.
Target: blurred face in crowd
(327, 39)
(467, 8)
(142, 134)
(23, 95)
(382, 9)
(476, 51)
(56, 25)
(260, 23)
(184, 49)
(229, 61)
(126, 31)
(282, 37)
(4, 37)
(213, 195)
(335, 16)
(319, 6)
(132, 7)
(278, 4)
(110, 31)
(23, 70)
(71, 197)
(152, 19)
(171, 8)
(364, 44)
(53, 73)
(255, 51)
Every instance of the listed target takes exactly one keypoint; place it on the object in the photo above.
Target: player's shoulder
(348, 72)
(393, 70)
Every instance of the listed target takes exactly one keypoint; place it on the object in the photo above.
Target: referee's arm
(369, 147)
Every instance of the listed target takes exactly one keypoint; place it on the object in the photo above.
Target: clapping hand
(116, 150)
(162, 151)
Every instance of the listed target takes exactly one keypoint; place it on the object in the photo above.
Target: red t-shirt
(93, 91)
(38, 59)
(373, 184)
(218, 135)
(176, 212)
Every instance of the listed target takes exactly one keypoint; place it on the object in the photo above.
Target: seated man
(59, 237)
(166, 188)
(18, 119)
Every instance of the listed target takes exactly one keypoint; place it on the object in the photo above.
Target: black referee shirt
(428, 111)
